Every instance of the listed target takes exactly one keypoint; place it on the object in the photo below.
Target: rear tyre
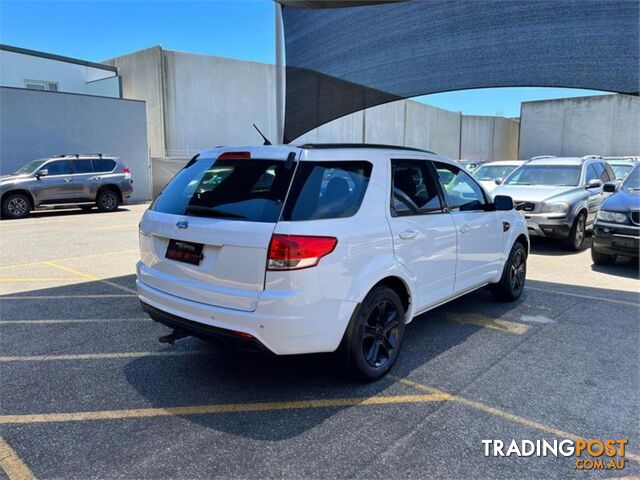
(602, 258)
(15, 205)
(107, 200)
(374, 336)
(514, 274)
(575, 240)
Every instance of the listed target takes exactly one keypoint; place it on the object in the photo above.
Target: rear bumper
(276, 325)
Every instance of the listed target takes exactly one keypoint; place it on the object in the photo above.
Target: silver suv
(78, 180)
(559, 196)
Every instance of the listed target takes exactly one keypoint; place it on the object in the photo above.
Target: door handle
(67, 180)
(408, 234)
(96, 178)
(464, 229)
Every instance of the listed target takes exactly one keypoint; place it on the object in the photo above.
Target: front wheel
(575, 240)
(514, 274)
(374, 336)
(15, 205)
(107, 201)
(602, 258)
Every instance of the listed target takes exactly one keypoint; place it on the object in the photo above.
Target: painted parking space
(87, 378)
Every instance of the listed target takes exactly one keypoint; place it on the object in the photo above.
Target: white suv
(322, 247)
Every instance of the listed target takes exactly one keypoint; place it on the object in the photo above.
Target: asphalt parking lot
(88, 392)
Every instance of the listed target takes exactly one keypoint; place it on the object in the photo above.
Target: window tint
(601, 172)
(249, 190)
(103, 165)
(59, 167)
(327, 190)
(609, 170)
(82, 166)
(413, 189)
(462, 191)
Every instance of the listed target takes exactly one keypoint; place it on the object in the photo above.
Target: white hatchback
(321, 248)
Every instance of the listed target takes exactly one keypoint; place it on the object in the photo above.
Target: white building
(22, 68)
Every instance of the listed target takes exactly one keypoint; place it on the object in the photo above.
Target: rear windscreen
(240, 189)
(327, 190)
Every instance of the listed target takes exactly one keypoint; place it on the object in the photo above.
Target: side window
(591, 173)
(601, 172)
(103, 165)
(610, 173)
(326, 190)
(59, 167)
(462, 191)
(413, 189)
(82, 166)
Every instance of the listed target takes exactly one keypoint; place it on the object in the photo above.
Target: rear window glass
(103, 165)
(327, 190)
(242, 189)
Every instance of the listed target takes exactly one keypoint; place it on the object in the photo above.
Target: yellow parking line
(88, 276)
(54, 297)
(11, 464)
(487, 322)
(80, 320)
(99, 356)
(81, 257)
(52, 279)
(590, 297)
(221, 408)
(498, 412)
(116, 227)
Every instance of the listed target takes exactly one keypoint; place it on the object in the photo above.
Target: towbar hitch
(173, 336)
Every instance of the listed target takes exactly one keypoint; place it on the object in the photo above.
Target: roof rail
(587, 157)
(320, 146)
(540, 157)
(78, 155)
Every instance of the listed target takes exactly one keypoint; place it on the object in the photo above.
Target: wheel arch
(27, 193)
(110, 186)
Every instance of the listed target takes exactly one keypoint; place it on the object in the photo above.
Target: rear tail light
(293, 252)
(127, 172)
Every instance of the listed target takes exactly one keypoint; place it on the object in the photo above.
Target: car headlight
(615, 217)
(555, 207)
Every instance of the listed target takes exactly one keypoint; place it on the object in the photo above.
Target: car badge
(182, 225)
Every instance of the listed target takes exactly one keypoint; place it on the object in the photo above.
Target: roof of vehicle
(621, 161)
(548, 160)
(503, 162)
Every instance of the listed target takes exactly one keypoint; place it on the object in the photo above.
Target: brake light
(127, 173)
(235, 156)
(293, 252)
(127, 170)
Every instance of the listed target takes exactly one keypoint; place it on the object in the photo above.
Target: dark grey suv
(76, 180)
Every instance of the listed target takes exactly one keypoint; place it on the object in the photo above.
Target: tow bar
(173, 336)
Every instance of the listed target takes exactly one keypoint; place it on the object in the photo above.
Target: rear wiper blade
(211, 212)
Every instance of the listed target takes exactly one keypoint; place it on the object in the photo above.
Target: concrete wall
(15, 68)
(607, 125)
(142, 80)
(200, 101)
(35, 124)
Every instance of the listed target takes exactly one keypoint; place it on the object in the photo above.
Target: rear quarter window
(328, 189)
(103, 165)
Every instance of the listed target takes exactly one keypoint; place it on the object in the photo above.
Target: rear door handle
(408, 234)
(67, 180)
(464, 229)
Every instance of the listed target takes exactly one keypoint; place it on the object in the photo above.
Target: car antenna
(266, 140)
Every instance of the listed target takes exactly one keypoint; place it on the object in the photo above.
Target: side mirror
(42, 173)
(610, 187)
(503, 202)
(499, 180)
(594, 183)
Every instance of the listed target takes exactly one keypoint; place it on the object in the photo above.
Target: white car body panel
(308, 310)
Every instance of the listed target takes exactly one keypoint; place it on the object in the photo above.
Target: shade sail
(341, 60)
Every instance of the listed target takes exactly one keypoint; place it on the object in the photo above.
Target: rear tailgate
(231, 272)
(206, 237)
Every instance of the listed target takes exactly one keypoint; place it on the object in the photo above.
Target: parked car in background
(493, 173)
(559, 196)
(621, 166)
(66, 180)
(303, 249)
(471, 165)
(617, 226)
